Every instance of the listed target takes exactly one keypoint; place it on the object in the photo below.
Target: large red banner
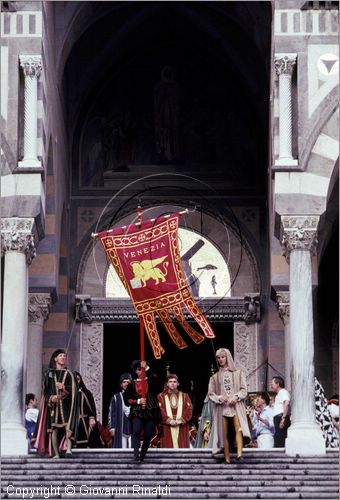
(147, 260)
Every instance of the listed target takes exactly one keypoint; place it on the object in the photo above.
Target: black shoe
(136, 458)
(240, 460)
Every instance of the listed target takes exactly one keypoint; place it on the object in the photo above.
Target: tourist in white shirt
(31, 414)
(263, 423)
(280, 411)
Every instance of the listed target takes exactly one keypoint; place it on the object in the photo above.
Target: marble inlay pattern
(91, 361)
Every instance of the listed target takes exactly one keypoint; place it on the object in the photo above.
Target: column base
(13, 439)
(286, 162)
(306, 440)
(33, 163)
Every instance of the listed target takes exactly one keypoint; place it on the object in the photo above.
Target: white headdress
(230, 362)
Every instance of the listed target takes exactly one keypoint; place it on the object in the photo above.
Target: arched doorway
(193, 365)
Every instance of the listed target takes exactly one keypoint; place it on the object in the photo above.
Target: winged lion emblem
(146, 270)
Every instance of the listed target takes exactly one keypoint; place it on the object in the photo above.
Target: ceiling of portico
(220, 52)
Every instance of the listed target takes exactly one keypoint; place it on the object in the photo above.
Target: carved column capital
(282, 302)
(39, 306)
(284, 64)
(19, 235)
(83, 306)
(299, 232)
(31, 65)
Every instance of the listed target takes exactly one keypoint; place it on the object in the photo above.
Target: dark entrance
(192, 365)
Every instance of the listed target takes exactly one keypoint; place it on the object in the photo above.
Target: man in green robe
(57, 425)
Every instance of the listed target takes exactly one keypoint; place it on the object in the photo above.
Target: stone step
(227, 469)
(194, 494)
(145, 468)
(197, 470)
(190, 474)
(159, 455)
(185, 453)
(218, 486)
(33, 481)
(157, 467)
(161, 459)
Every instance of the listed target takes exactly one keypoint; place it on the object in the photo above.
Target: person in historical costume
(206, 434)
(118, 422)
(144, 411)
(88, 432)
(228, 391)
(206, 425)
(193, 435)
(176, 413)
(56, 429)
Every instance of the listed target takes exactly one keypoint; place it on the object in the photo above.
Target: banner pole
(182, 212)
(142, 355)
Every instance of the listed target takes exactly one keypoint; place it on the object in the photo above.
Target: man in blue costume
(119, 424)
(58, 417)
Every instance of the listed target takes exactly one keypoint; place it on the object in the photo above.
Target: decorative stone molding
(298, 233)
(83, 308)
(118, 310)
(31, 65)
(282, 302)
(39, 306)
(91, 361)
(252, 309)
(245, 352)
(284, 64)
(19, 235)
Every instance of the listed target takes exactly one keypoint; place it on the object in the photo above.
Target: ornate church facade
(228, 110)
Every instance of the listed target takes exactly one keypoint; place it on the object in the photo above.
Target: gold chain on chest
(227, 382)
(173, 400)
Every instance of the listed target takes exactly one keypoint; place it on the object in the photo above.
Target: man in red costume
(176, 412)
(144, 411)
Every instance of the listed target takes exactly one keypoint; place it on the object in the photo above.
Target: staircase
(92, 474)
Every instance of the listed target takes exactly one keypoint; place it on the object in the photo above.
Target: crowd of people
(140, 417)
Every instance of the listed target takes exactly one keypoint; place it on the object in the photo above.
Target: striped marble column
(31, 66)
(39, 305)
(299, 240)
(18, 247)
(284, 67)
(282, 301)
